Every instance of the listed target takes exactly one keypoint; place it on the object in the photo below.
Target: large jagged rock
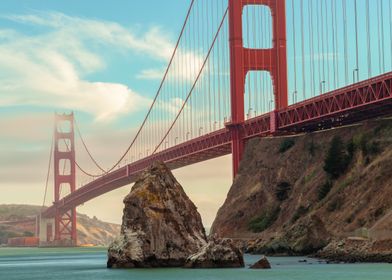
(161, 226)
(217, 253)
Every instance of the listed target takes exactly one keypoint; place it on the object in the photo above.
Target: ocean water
(90, 263)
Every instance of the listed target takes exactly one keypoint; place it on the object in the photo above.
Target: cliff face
(19, 221)
(333, 183)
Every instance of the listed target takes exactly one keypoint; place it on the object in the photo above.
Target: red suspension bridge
(240, 69)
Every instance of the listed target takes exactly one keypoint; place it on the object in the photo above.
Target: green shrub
(301, 211)
(265, 220)
(338, 158)
(282, 190)
(324, 190)
(286, 145)
(365, 143)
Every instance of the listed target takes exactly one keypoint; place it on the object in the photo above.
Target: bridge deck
(360, 101)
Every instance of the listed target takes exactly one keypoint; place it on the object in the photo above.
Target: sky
(104, 61)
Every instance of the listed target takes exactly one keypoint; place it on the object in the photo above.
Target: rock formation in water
(263, 263)
(353, 250)
(217, 253)
(161, 226)
(342, 176)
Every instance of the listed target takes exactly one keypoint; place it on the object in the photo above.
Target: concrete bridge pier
(46, 234)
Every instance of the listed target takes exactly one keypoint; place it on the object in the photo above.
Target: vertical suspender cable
(344, 4)
(333, 44)
(219, 68)
(336, 43)
(311, 57)
(356, 42)
(303, 51)
(382, 36)
(295, 53)
(379, 36)
(327, 43)
(390, 29)
(369, 55)
(212, 83)
(318, 33)
(344, 7)
(322, 44)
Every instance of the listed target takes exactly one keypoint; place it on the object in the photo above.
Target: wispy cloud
(151, 74)
(49, 69)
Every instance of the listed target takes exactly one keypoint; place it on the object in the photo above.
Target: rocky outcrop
(263, 263)
(353, 250)
(161, 226)
(217, 253)
(308, 235)
(282, 183)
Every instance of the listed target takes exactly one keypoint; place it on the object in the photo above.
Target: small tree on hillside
(337, 159)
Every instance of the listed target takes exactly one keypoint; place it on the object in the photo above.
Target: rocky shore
(352, 250)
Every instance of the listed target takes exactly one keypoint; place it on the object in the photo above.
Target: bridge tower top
(243, 60)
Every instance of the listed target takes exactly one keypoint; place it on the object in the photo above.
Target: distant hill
(19, 220)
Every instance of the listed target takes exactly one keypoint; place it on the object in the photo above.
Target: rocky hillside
(19, 220)
(295, 194)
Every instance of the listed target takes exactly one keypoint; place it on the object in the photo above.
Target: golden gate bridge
(239, 69)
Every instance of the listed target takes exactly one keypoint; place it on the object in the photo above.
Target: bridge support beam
(240, 65)
(64, 178)
(45, 231)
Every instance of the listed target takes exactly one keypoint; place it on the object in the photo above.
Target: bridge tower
(64, 178)
(243, 60)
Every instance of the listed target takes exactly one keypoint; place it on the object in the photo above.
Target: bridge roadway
(360, 101)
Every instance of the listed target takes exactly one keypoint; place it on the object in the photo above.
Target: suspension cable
(48, 173)
(195, 82)
(153, 102)
(85, 146)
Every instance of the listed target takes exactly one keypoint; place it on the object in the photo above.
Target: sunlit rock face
(217, 253)
(161, 226)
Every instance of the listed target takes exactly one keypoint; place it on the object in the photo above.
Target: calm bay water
(90, 263)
